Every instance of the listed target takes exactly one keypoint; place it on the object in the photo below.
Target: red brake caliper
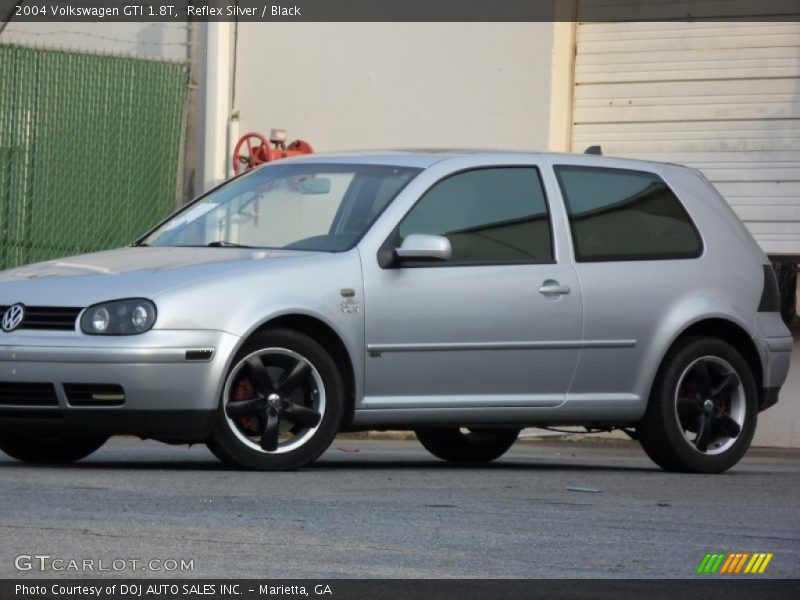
(244, 390)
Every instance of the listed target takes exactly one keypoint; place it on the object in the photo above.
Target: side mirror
(418, 246)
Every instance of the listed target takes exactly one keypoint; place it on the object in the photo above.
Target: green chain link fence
(90, 149)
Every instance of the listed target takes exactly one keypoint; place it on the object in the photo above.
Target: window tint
(496, 215)
(625, 215)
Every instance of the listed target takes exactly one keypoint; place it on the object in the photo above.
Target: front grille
(94, 394)
(58, 318)
(13, 393)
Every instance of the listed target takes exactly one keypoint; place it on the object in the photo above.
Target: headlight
(121, 317)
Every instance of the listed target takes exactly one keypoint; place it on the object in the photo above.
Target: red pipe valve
(254, 149)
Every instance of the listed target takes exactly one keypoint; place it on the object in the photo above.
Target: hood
(128, 272)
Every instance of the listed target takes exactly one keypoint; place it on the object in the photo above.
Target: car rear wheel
(49, 449)
(282, 403)
(703, 408)
(467, 445)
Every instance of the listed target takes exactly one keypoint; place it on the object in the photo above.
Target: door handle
(553, 287)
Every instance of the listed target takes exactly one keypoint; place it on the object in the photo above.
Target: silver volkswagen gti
(460, 295)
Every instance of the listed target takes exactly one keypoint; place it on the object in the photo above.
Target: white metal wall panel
(398, 85)
(722, 96)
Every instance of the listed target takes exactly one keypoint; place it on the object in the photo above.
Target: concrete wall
(397, 85)
(163, 41)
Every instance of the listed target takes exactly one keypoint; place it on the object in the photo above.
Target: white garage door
(721, 96)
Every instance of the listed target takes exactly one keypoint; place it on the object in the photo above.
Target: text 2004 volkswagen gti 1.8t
(460, 295)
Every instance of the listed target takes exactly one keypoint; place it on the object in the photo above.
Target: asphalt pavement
(387, 509)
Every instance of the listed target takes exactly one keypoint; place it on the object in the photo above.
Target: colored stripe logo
(734, 563)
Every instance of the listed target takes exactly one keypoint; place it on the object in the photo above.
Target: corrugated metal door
(721, 96)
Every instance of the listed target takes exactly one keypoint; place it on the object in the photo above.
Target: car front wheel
(282, 403)
(703, 408)
(467, 445)
(49, 449)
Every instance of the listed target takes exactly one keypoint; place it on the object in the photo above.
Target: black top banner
(394, 10)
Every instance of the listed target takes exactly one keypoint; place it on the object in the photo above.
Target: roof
(401, 158)
(423, 158)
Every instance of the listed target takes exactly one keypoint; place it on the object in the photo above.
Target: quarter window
(617, 214)
(490, 215)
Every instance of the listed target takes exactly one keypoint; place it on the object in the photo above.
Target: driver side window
(490, 215)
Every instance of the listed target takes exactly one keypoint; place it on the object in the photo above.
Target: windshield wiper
(224, 244)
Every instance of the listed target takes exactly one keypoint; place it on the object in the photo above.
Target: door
(637, 254)
(498, 324)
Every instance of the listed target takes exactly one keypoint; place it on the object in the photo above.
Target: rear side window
(490, 215)
(617, 214)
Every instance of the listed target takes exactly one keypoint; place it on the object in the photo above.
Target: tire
(49, 449)
(696, 422)
(281, 406)
(474, 446)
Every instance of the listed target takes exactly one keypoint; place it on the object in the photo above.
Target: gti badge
(13, 317)
(349, 305)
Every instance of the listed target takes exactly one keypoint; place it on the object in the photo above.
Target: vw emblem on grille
(13, 317)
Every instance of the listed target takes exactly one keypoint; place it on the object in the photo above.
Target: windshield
(304, 206)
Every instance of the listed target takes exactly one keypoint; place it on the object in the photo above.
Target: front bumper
(171, 384)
